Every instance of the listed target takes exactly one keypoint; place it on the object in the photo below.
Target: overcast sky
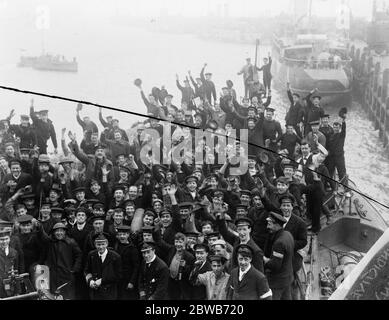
(152, 8)
(242, 7)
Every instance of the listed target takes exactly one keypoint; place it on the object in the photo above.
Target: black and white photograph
(204, 153)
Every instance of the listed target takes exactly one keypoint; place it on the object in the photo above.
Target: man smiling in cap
(246, 282)
(103, 270)
(153, 275)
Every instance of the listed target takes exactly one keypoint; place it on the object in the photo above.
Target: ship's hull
(341, 246)
(55, 67)
(44, 63)
(334, 85)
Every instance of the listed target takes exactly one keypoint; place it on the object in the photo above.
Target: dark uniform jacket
(80, 235)
(93, 165)
(335, 144)
(154, 279)
(253, 286)
(312, 113)
(271, 130)
(187, 93)
(44, 131)
(110, 273)
(280, 249)
(260, 232)
(32, 249)
(130, 262)
(327, 131)
(23, 180)
(298, 229)
(130, 267)
(64, 258)
(209, 87)
(27, 135)
(199, 90)
(199, 292)
(295, 113)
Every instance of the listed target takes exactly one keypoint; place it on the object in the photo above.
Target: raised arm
(192, 80)
(179, 86)
(268, 101)
(202, 73)
(76, 151)
(289, 92)
(227, 234)
(33, 117)
(65, 148)
(102, 121)
(80, 122)
(53, 136)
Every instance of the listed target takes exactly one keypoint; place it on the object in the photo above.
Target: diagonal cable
(191, 127)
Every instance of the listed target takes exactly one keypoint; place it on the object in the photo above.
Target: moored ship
(314, 61)
(48, 62)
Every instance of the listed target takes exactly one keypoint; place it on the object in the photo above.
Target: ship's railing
(322, 64)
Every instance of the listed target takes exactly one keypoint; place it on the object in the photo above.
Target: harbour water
(110, 57)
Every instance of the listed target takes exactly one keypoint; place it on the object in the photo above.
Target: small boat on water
(48, 62)
(341, 251)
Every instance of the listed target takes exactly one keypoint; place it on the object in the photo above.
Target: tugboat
(48, 62)
(309, 60)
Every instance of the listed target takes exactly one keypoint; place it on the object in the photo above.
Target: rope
(188, 126)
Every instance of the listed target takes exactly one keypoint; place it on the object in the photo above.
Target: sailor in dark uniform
(201, 266)
(278, 258)
(313, 110)
(295, 114)
(130, 264)
(267, 76)
(209, 86)
(335, 148)
(271, 129)
(325, 127)
(153, 275)
(44, 130)
(298, 229)
(30, 241)
(26, 132)
(246, 282)
(103, 270)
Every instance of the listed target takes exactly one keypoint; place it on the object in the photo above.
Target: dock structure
(370, 87)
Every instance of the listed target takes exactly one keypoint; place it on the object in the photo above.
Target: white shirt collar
(17, 176)
(242, 273)
(80, 226)
(103, 255)
(245, 242)
(287, 220)
(6, 250)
